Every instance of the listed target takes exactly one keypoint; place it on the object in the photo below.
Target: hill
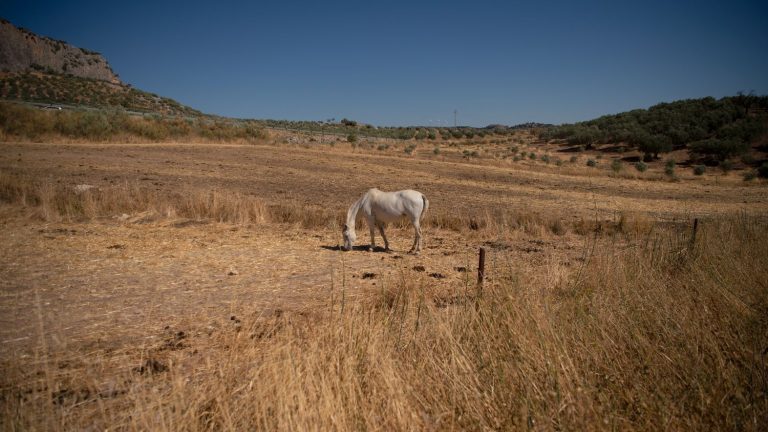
(40, 69)
(55, 88)
(712, 130)
(21, 50)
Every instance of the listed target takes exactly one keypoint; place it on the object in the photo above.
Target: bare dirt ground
(110, 283)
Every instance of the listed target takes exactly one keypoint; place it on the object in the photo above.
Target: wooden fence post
(480, 277)
(695, 229)
(481, 267)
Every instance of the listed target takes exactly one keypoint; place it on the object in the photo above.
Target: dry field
(200, 287)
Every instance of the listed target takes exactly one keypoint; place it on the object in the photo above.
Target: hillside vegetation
(352, 127)
(20, 122)
(54, 88)
(713, 130)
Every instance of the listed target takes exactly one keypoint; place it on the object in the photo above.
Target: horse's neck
(352, 213)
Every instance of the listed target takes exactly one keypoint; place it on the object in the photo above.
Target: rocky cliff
(22, 50)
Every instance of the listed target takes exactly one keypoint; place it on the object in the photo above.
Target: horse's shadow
(362, 248)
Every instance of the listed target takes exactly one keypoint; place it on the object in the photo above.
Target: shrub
(591, 163)
(750, 175)
(616, 165)
(699, 170)
(532, 156)
(382, 147)
(574, 159)
(545, 159)
(641, 166)
(763, 170)
(669, 168)
(436, 150)
(410, 148)
(352, 138)
(726, 165)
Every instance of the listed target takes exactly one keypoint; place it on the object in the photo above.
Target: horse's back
(390, 206)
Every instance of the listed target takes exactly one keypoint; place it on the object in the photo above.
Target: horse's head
(349, 238)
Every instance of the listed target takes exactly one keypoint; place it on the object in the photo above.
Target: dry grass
(664, 334)
(131, 201)
(639, 329)
(135, 203)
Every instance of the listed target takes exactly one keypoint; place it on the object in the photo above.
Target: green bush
(532, 156)
(436, 150)
(616, 165)
(641, 166)
(750, 175)
(591, 163)
(669, 168)
(352, 138)
(699, 170)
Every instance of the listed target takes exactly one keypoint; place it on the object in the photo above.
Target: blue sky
(413, 63)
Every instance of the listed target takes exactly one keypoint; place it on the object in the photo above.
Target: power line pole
(454, 117)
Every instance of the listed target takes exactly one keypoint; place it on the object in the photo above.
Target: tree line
(709, 128)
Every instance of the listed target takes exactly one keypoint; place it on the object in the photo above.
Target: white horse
(381, 208)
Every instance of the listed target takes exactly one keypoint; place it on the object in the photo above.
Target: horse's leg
(384, 236)
(416, 248)
(371, 223)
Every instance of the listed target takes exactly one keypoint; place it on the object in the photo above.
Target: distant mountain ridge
(22, 51)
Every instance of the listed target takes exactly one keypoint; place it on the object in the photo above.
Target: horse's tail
(426, 206)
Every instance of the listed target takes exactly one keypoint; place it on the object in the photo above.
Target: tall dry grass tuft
(496, 220)
(55, 202)
(668, 334)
